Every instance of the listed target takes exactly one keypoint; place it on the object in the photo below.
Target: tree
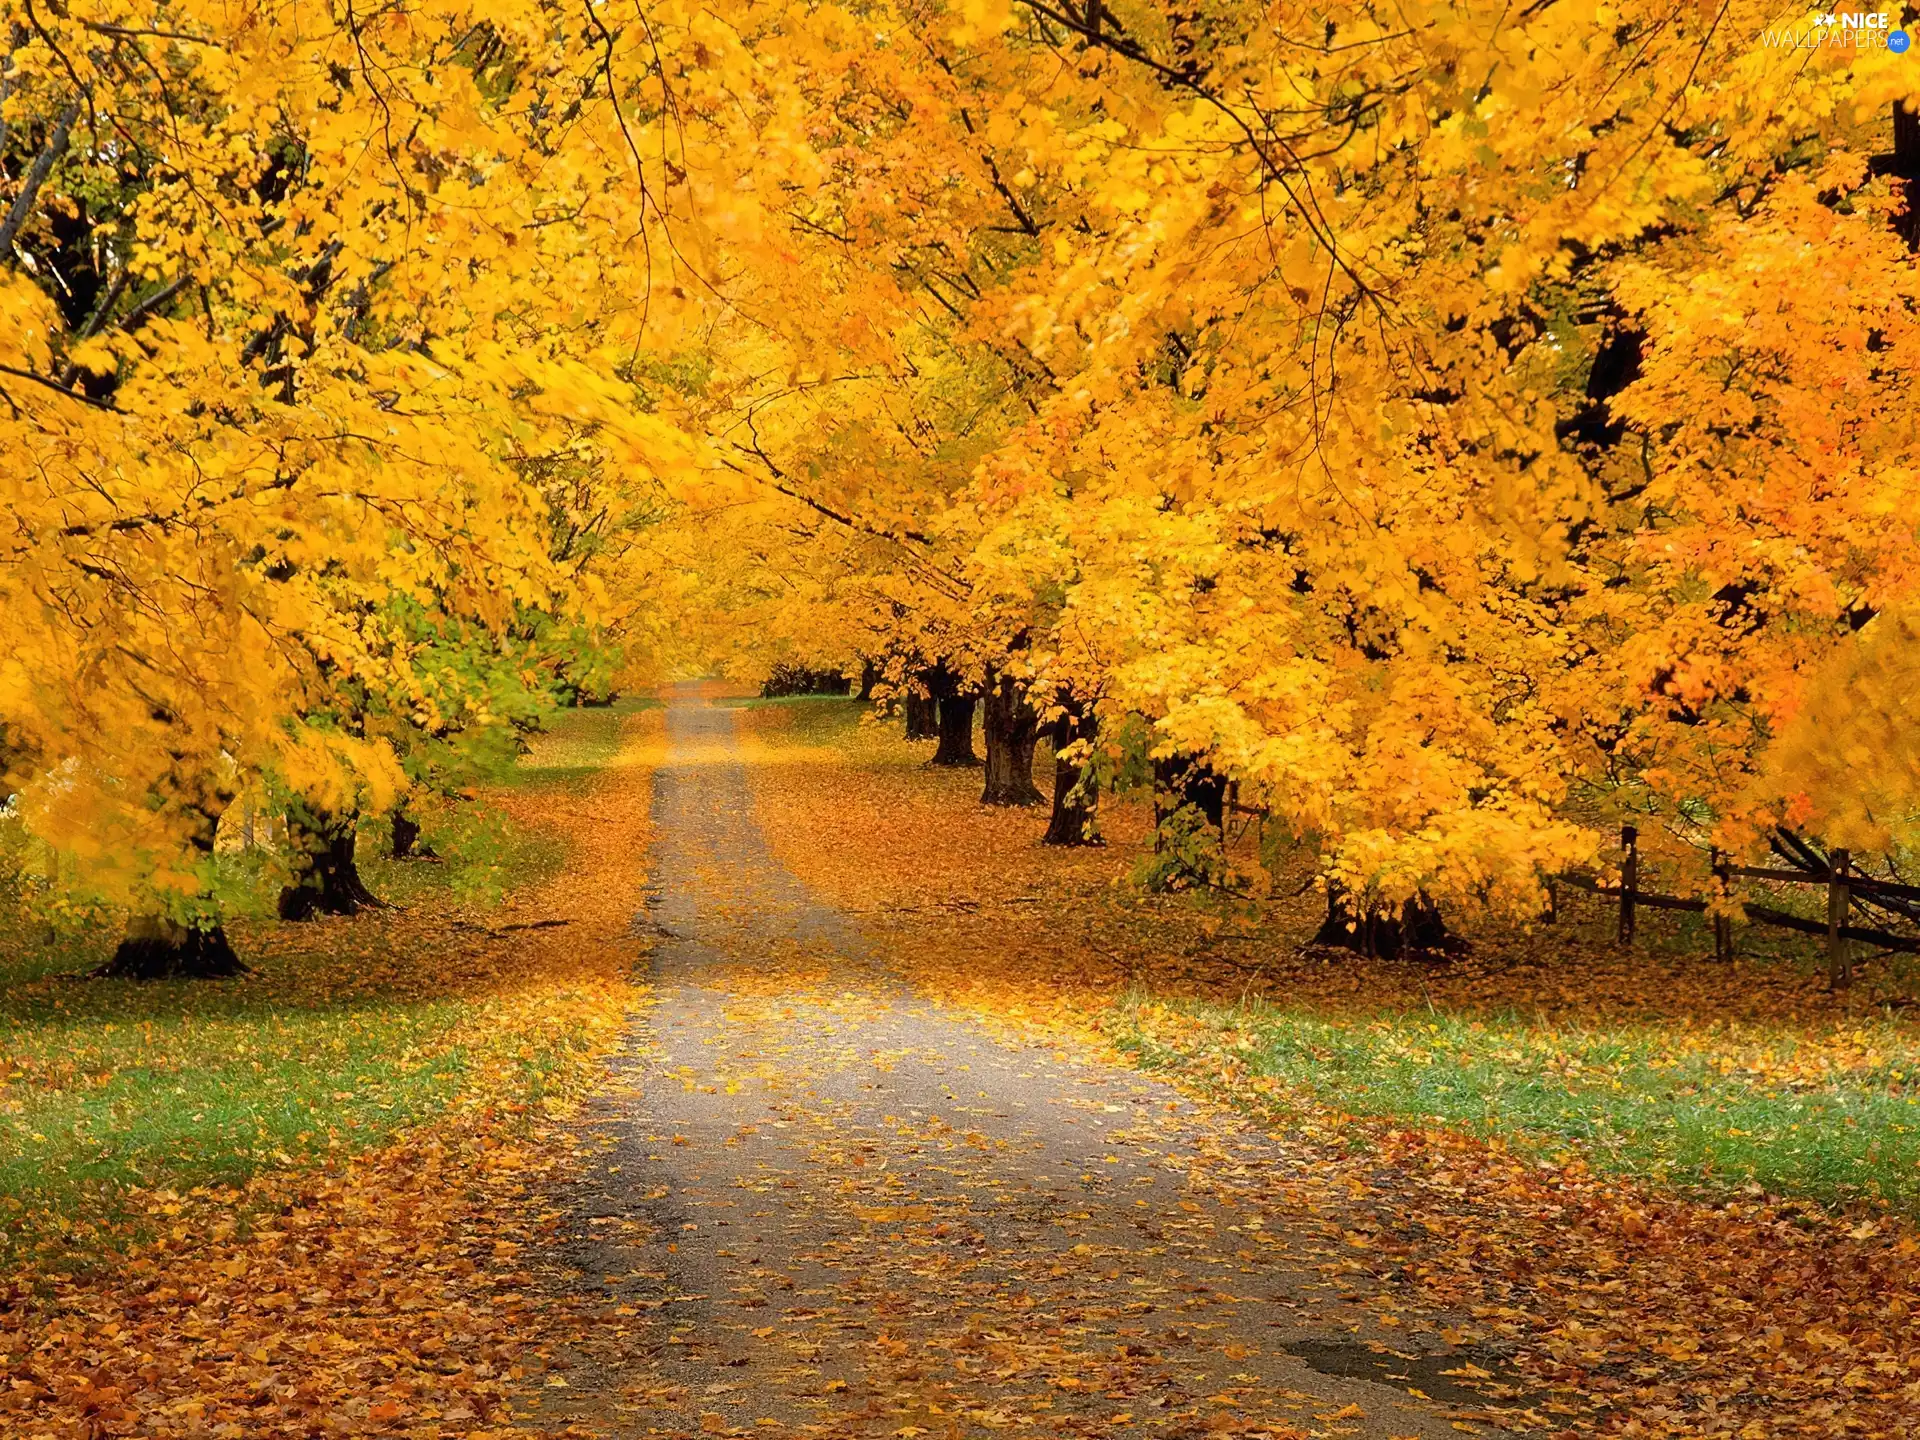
(1444, 458)
(1452, 457)
(326, 878)
(288, 334)
(1011, 730)
(1073, 821)
(957, 701)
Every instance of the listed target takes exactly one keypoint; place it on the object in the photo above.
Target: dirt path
(822, 1206)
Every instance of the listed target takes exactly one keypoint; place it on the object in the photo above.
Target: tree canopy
(1455, 429)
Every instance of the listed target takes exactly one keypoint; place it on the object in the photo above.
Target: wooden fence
(1846, 888)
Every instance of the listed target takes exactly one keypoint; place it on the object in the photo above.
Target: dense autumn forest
(885, 718)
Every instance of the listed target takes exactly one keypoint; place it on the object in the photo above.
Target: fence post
(1629, 880)
(1722, 922)
(1839, 898)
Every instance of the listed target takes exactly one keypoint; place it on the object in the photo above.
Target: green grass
(835, 722)
(347, 1032)
(1830, 1118)
(116, 1084)
(799, 703)
(108, 1086)
(576, 744)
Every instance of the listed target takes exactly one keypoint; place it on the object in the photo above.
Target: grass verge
(1828, 1116)
(347, 1032)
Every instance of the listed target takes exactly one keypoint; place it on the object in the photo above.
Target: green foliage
(1187, 855)
(584, 663)
(1123, 759)
(479, 856)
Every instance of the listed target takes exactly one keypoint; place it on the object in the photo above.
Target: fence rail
(1843, 885)
(1802, 877)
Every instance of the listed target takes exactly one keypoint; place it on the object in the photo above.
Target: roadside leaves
(1619, 1301)
(383, 1292)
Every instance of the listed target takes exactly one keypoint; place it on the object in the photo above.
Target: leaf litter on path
(1616, 1305)
(823, 1204)
(893, 1181)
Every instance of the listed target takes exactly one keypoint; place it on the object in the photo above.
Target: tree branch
(42, 167)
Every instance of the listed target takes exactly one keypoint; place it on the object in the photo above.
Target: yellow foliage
(1462, 429)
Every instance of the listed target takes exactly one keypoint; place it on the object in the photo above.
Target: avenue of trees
(1448, 430)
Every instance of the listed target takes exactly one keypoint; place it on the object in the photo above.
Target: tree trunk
(326, 879)
(406, 837)
(1416, 929)
(1188, 780)
(1011, 730)
(1189, 836)
(157, 948)
(923, 717)
(1072, 821)
(1906, 165)
(956, 732)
